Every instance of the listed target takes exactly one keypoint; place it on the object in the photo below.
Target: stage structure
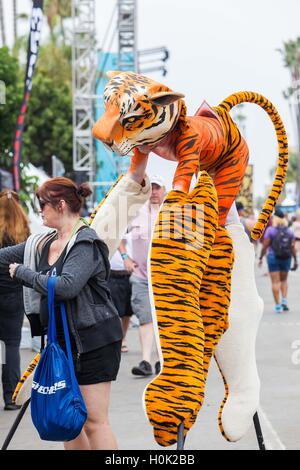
(109, 165)
(83, 86)
(127, 25)
(89, 67)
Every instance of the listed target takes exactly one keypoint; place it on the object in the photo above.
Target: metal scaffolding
(83, 84)
(84, 71)
(127, 51)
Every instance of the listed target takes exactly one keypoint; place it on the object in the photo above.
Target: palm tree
(291, 58)
(240, 118)
(57, 11)
(15, 18)
(55, 57)
(2, 25)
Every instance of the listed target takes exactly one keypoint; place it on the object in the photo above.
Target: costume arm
(119, 209)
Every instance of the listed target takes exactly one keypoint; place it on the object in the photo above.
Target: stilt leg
(259, 434)
(15, 425)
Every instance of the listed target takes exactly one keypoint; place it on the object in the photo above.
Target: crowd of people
(280, 245)
(102, 290)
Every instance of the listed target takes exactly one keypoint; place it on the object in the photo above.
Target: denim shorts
(278, 265)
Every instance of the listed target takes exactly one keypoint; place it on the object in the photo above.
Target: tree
(48, 124)
(291, 58)
(48, 121)
(55, 62)
(240, 118)
(2, 24)
(291, 175)
(56, 12)
(9, 74)
(15, 19)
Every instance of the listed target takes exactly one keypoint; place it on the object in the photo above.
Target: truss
(127, 51)
(83, 77)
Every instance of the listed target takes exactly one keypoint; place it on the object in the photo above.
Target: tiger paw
(181, 245)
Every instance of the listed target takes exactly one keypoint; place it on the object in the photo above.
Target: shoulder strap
(51, 313)
(69, 351)
(52, 331)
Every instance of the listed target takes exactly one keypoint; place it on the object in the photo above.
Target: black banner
(33, 47)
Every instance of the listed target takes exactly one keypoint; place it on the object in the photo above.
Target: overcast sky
(218, 47)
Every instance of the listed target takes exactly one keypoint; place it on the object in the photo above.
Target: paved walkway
(278, 354)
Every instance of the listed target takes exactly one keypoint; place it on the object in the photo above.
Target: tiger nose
(97, 132)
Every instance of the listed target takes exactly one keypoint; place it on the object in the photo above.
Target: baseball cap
(157, 179)
(279, 213)
(239, 206)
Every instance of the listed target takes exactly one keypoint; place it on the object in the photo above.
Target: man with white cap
(141, 232)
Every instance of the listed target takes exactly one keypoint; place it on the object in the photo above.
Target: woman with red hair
(14, 229)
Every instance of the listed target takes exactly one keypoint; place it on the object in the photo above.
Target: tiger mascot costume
(202, 274)
(190, 281)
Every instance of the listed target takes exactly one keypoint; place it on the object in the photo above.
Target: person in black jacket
(80, 261)
(14, 228)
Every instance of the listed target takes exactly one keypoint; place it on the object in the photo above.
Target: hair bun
(84, 190)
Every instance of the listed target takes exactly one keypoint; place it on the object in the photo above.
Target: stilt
(15, 425)
(258, 431)
(180, 436)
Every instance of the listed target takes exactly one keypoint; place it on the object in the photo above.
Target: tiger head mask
(139, 112)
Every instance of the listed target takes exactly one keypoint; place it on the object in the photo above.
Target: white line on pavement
(271, 438)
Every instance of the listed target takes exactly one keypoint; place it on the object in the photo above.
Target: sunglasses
(42, 204)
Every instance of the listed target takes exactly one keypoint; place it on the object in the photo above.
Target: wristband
(124, 256)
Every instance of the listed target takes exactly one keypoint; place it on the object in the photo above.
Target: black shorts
(120, 289)
(100, 365)
(93, 367)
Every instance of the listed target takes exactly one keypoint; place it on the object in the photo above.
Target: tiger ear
(112, 73)
(163, 98)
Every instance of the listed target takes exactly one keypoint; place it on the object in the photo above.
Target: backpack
(282, 243)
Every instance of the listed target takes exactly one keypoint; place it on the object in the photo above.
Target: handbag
(58, 410)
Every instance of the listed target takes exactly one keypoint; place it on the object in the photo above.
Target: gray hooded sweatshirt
(82, 285)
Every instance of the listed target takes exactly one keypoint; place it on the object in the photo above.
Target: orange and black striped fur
(31, 367)
(143, 115)
(191, 290)
(179, 261)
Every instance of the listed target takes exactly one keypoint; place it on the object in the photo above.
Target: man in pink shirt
(141, 232)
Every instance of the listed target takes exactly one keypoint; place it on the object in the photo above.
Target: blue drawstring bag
(57, 408)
